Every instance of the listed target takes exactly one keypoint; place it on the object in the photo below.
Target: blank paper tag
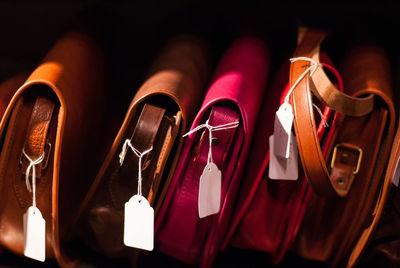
(34, 234)
(281, 168)
(209, 190)
(139, 223)
(396, 174)
(283, 130)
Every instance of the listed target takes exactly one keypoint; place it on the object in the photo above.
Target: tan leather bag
(55, 115)
(384, 249)
(7, 90)
(348, 184)
(157, 118)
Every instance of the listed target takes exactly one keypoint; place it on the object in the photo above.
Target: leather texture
(37, 130)
(340, 213)
(269, 212)
(383, 250)
(307, 138)
(327, 93)
(72, 80)
(385, 242)
(158, 116)
(188, 231)
(235, 94)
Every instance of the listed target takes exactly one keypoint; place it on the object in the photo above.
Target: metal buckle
(46, 162)
(349, 147)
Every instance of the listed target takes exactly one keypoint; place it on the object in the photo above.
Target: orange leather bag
(50, 144)
(349, 187)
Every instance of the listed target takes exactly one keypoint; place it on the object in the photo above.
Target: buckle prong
(348, 147)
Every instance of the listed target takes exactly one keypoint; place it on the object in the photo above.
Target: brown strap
(35, 141)
(334, 98)
(147, 127)
(309, 46)
(143, 138)
(323, 183)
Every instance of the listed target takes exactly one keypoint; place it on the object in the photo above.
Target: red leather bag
(234, 96)
(269, 212)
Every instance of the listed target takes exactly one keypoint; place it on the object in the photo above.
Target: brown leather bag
(349, 188)
(7, 90)
(384, 249)
(157, 118)
(54, 116)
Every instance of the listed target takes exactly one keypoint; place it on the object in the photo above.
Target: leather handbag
(383, 249)
(347, 182)
(195, 216)
(49, 150)
(157, 118)
(7, 90)
(269, 211)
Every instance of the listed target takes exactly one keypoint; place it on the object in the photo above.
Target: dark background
(132, 32)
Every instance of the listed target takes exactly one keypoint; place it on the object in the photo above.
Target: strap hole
(345, 158)
(214, 141)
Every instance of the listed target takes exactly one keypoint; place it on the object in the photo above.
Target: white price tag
(34, 234)
(281, 168)
(283, 130)
(396, 174)
(139, 223)
(209, 190)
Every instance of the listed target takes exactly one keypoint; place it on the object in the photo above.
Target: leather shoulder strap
(306, 130)
(309, 46)
(144, 137)
(336, 99)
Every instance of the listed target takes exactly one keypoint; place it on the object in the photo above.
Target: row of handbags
(190, 179)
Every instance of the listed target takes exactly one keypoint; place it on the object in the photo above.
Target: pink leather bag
(269, 212)
(234, 96)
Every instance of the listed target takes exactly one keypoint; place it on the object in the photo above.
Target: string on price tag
(34, 223)
(284, 116)
(138, 214)
(210, 180)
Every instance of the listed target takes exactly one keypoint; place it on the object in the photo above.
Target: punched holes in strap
(345, 164)
(310, 151)
(36, 142)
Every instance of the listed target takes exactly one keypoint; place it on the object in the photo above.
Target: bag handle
(313, 161)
